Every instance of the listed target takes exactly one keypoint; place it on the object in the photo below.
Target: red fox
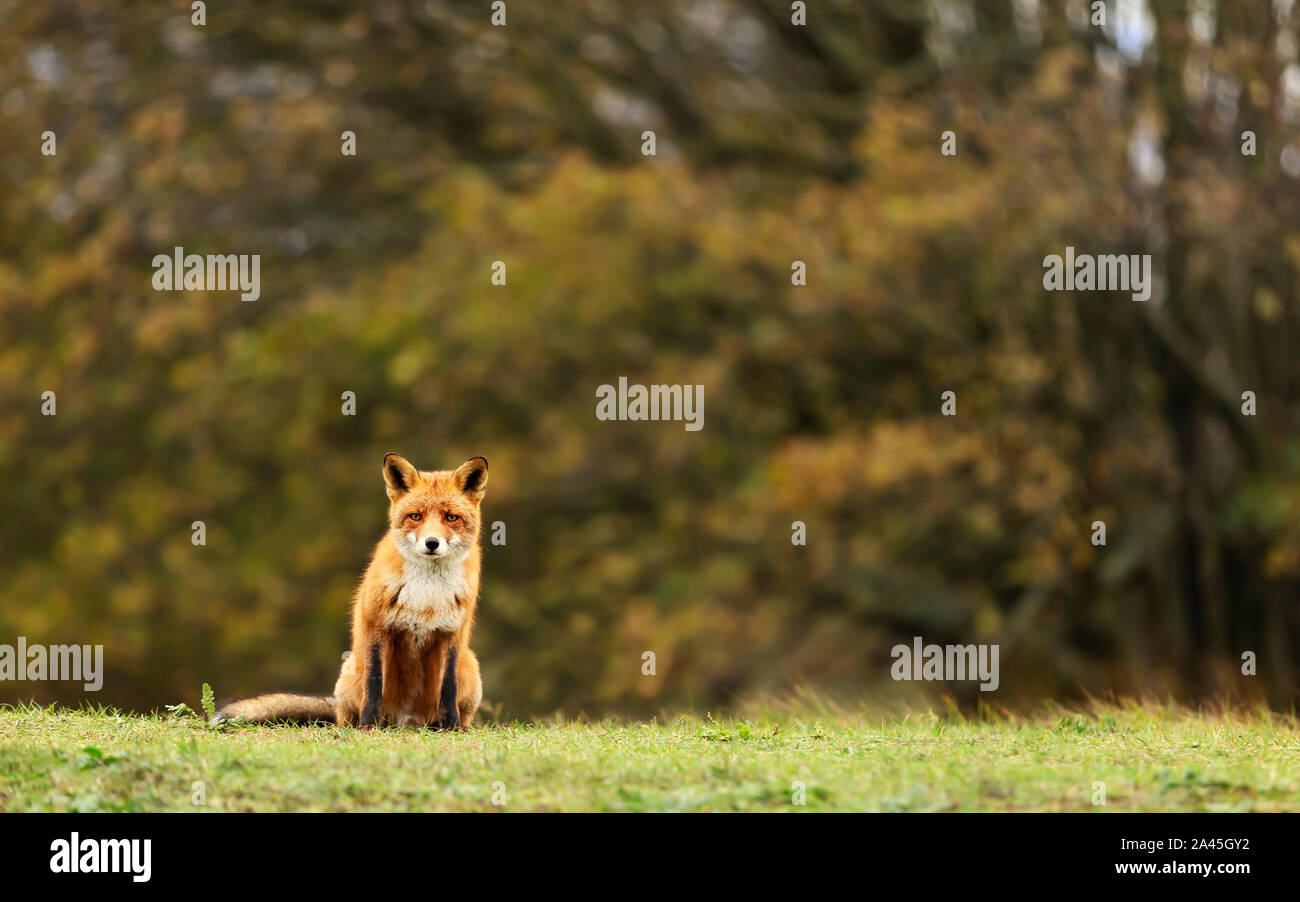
(412, 614)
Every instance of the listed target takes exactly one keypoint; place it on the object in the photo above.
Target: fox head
(434, 515)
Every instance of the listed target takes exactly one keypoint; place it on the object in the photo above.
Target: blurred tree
(775, 143)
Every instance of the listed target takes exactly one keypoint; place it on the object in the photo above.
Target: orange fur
(414, 633)
(414, 607)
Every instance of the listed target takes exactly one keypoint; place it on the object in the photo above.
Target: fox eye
(451, 518)
(416, 517)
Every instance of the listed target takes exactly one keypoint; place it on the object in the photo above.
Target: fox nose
(431, 544)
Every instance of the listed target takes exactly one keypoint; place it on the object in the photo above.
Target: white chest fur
(427, 600)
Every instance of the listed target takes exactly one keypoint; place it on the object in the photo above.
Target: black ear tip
(472, 474)
(399, 476)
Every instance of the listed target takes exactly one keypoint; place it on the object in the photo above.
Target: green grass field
(1149, 758)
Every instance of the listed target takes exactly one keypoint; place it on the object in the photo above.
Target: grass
(1151, 758)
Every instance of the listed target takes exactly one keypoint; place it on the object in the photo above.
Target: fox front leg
(374, 689)
(448, 716)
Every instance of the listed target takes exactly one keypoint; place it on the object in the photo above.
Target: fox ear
(399, 475)
(471, 476)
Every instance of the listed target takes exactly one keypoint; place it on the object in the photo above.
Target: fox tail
(278, 707)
